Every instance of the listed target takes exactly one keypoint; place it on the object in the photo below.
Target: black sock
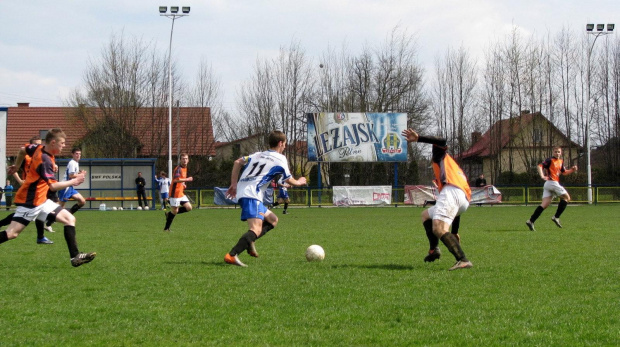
(71, 242)
(40, 231)
(243, 243)
(182, 209)
(433, 241)
(536, 214)
(285, 206)
(453, 246)
(7, 220)
(561, 208)
(275, 204)
(3, 237)
(169, 220)
(456, 223)
(74, 208)
(266, 227)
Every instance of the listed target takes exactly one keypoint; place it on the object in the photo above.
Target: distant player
(31, 198)
(179, 203)
(283, 197)
(257, 171)
(453, 200)
(163, 182)
(73, 168)
(550, 171)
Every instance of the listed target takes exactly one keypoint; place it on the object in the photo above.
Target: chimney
(23, 104)
(475, 137)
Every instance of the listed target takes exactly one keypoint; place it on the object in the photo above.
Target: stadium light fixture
(174, 15)
(185, 9)
(600, 31)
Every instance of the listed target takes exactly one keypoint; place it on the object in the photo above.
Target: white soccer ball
(139, 207)
(315, 253)
(113, 208)
(146, 207)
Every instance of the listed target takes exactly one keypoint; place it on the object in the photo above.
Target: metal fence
(315, 197)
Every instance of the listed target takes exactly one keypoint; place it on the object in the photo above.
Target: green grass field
(553, 287)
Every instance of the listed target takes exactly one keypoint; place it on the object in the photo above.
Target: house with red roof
(516, 145)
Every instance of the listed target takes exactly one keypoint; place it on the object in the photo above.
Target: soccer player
(73, 168)
(179, 203)
(550, 171)
(40, 225)
(31, 198)
(257, 171)
(164, 188)
(453, 200)
(283, 197)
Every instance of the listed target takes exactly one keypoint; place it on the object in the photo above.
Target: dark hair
(184, 154)
(76, 149)
(34, 139)
(55, 134)
(275, 137)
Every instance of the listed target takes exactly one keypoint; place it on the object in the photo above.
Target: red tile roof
(151, 128)
(505, 129)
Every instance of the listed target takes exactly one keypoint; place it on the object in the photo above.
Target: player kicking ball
(257, 171)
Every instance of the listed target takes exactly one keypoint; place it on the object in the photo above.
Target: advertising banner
(357, 137)
(362, 195)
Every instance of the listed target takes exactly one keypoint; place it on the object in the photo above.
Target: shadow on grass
(375, 266)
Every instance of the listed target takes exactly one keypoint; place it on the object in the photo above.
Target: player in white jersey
(257, 172)
(73, 168)
(163, 183)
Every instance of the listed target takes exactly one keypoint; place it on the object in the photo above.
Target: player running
(453, 200)
(32, 197)
(550, 171)
(257, 172)
(179, 203)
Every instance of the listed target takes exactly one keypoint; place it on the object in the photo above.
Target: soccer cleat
(166, 230)
(284, 212)
(82, 258)
(252, 250)
(556, 221)
(461, 265)
(432, 255)
(530, 225)
(233, 260)
(44, 241)
(48, 228)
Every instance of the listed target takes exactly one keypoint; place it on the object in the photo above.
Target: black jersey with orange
(34, 191)
(177, 190)
(446, 170)
(553, 167)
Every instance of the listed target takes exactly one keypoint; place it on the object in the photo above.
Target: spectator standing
(8, 194)
(141, 189)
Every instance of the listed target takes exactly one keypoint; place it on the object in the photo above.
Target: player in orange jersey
(179, 203)
(550, 171)
(32, 197)
(453, 200)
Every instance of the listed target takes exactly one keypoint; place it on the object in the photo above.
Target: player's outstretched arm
(296, 182)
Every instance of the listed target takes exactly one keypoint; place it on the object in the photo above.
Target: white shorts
(451, 202)
(178, 202)
(40, 212)
(553, 189)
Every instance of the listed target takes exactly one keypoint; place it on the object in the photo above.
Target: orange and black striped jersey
(177, 189)
(553, 167)
(38, 178)
(446, 170)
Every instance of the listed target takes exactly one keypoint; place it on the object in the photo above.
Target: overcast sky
(45, 45)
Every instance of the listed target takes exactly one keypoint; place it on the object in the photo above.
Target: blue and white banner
(357, 137)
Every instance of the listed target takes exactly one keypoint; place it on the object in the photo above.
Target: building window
(537, 136)
(43, 134)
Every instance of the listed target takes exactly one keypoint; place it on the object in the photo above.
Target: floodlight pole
(174, 16)
(590, 31)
